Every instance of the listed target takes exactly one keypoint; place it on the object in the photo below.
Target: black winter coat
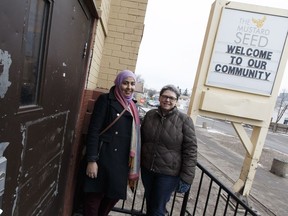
(111, 149)
(169, 144)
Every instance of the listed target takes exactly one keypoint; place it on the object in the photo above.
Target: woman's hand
(92, 169)
(183, 187)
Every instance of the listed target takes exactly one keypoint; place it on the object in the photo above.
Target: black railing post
(184, 204)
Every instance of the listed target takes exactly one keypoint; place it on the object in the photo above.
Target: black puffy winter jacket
(169, 144)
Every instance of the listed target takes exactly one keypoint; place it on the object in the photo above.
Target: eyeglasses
(165, 97)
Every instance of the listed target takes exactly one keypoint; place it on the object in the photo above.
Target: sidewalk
(224, 154)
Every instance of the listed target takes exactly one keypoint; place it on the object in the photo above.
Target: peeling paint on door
(5, 62)
(39, 173)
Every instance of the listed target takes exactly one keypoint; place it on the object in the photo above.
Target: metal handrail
(207, 196)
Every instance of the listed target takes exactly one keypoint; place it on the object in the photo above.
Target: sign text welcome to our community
(247, 51)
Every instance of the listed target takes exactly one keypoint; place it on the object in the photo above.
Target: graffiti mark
(5, 62)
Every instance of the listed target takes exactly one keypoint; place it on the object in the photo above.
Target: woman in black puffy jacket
(168, 152)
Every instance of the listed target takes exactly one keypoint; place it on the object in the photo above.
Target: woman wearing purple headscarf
(113, 156)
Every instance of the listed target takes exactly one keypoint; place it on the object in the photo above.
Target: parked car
(153, 103)
(142, 111)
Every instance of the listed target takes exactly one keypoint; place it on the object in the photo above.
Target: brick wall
(118, 37)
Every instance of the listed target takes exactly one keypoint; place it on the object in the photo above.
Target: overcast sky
(173, 38)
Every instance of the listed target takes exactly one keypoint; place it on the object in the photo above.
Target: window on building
(34, 43)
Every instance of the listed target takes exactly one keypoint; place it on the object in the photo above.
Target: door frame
(75, 154)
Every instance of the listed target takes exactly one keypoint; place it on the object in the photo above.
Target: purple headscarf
(118, 81)
(123, 99)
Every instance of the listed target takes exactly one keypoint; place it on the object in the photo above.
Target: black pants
(96, 204)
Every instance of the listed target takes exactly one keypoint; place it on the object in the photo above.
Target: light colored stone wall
(101, 28)
(118, 36)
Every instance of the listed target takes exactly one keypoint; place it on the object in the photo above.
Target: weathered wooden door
(43, 61)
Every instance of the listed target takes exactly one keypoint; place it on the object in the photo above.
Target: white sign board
(247, 51)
